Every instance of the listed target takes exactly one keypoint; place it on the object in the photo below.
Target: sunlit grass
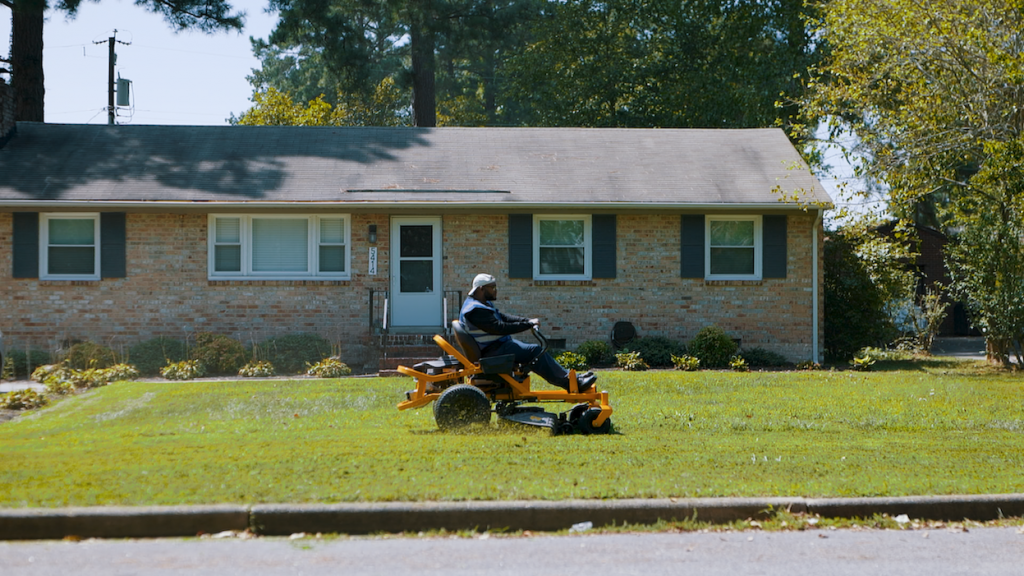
(924, 427)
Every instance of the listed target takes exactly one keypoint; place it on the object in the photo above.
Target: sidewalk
(394, 517)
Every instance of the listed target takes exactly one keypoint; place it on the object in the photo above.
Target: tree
(933, 89)
(27, 39)
(444, 51)
(386, 107)
(646, 63)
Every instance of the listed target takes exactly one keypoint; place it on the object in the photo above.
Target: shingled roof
(53, 165)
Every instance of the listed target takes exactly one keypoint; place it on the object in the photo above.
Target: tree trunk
(27, 59)
(424, 98)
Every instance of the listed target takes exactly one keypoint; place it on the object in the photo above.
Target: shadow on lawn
(937, 364)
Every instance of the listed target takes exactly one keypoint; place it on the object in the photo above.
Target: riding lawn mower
(463, 385)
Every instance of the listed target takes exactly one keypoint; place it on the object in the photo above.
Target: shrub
(291, 354)
(184, 370)
(329, 368)
(22, 400)
(7, 370)
(862, 364)
(738, 364)
(59, 387)
(572, 361)
(43, 372)
(808, 365)
(686, 363)
(596, 352)
(713, 346)
(759, 357)
(217, 353)
(122, 371)
(631, 361)
(655, 350)
(153, 354)
(24, 366)
(257, 369)
(90, 355)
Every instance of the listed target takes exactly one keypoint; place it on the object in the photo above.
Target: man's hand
(535, 322)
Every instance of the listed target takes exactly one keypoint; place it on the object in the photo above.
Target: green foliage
(184, 370)
(597, 352)
(880, 354)
(153, 354)
(656, 350)
(738, 364)
(257, 369)
(855, 313)
(36, 358)
(291, 354)
(686, 363)
(927, 317)
(7, 370)
(90, 355)
(760, 358)
(43, 372)
(713, 346)
(217, 353)
(22, 400)
(808, 365)
(59, 387)
(572, 361)
(329, 368)
(862, 363)
(630, 361)
(122, 371)
(63, 379)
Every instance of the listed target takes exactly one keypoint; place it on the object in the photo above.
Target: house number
(373, 261)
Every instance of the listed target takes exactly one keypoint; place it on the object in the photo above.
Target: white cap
(481, 280)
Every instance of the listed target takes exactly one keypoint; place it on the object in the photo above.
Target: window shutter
(520, 245)
(603, 242)
(691, 246)
(773, 250)
(112, 245)
(26, 245)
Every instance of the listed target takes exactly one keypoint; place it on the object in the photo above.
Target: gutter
(208, 205)
(814, 283)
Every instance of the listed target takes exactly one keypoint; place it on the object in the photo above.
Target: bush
(119, 372)
(572, 361)
(686, 363)
(631, 361)
(184, 370)
(153, 354)
(36, 358)
(655, 350)
(759, 357)
(713, 346)
(808, 365)
(329, 368)
(738, 364)
(90, 355)
(291, 354)
(22, 400)
(257, 369)
(596, 352)
(7, 370)
(217, 353)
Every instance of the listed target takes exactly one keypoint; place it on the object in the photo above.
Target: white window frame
(44, 244)
(758, 246)
(588, 248)
(312, 248)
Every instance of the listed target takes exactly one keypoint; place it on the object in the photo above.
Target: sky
(188, 78)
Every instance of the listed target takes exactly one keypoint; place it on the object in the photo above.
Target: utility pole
(111, 60)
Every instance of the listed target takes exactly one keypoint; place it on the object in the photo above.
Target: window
(69, 247)
(733, 247)
(562, 247)
(279, 247)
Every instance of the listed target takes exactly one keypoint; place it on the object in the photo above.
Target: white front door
(416, 287)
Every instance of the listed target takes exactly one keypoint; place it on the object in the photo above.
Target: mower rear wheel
(587, 423)
(461, 405)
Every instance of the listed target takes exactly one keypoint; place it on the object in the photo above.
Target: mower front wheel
(460, 406)
(587, 423)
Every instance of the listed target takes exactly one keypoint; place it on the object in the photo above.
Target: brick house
(120, 234)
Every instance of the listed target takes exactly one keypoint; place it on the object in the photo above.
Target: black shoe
(586, 382)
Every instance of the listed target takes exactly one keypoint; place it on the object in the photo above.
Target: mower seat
(504, 364)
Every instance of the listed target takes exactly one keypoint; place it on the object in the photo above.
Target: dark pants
(545, 366)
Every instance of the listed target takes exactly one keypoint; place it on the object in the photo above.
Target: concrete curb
(369, 518)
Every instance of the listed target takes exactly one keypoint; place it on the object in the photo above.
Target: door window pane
(416, 276)
(279, 245)
(417, 241)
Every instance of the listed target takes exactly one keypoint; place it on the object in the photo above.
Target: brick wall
(167, 293)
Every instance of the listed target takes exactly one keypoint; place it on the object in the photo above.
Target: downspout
(814, 284)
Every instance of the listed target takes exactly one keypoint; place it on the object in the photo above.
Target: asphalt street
(941, 552)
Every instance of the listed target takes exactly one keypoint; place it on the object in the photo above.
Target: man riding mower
(494, 367)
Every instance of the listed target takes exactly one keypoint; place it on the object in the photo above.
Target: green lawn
(928, 427)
